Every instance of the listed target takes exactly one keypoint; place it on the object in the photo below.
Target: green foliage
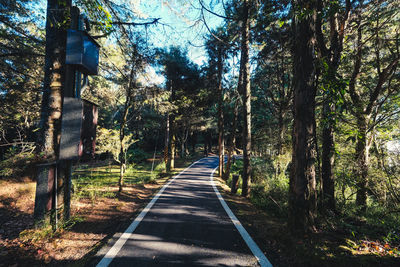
(271, 184)
(137, 155)
(108, 140)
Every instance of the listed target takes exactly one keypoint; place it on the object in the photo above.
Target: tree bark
(281, 132)
(232, 142)
(173, 148)
(166, 145)
(328, 159)
(122, 156)
(246, 95)
(362, 159)
(302, 192)
(220, 115)
(331, 57)
(128, 105)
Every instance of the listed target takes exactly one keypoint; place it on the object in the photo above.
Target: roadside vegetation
(347, 237)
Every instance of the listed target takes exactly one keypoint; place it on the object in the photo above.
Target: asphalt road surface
(186, 226)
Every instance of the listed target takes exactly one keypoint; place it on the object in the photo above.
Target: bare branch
(215, 14)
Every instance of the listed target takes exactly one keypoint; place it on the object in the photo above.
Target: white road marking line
(264, 262)
(106, 260)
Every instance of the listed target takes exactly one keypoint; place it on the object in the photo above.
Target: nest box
(82, 52)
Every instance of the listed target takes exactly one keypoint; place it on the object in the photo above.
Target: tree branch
(215, 14)
(382, 78)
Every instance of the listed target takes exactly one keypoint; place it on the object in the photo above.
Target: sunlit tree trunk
(173, 147)
(166, 145)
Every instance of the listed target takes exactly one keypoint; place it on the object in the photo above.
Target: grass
(102, 181)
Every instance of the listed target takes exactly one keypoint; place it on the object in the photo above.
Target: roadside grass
(92, 182)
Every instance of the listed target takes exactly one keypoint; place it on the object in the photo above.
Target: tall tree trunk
(245, 68)
(362, 159)
(337, 23)
(173, 147)
(121, 165)
(57, 21)
(328, 158)
(166, 145)
(128, 105)
(183, 145)
(193, 141)
(122, 154)
(220, 115)
(232, 142)
(302, 191)
(281, 131)
(172, 126)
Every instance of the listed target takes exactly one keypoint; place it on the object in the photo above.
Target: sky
(180, 24)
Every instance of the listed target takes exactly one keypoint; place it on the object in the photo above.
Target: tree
(183, 83)
(21, 72)
(272, 84)
(246, 95)
(302, 194)
(371, 83)
(336, 15)
(216, 46)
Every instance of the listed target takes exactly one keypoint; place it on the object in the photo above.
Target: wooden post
(57, 22)
(69, 91)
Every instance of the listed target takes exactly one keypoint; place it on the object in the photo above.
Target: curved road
(185, 225)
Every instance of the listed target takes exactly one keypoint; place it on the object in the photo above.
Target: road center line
(106, 260)
(264, 262)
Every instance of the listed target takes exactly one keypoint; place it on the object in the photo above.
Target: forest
(300, 98)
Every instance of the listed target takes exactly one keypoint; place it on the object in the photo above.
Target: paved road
(186, 226)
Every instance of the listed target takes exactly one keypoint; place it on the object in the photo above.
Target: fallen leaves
(375, 247)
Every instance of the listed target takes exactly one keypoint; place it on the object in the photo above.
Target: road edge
(262, 259)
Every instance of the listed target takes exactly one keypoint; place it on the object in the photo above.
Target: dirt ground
(94, 221)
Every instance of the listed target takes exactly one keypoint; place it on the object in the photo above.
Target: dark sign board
(78, 129)
(71, 124)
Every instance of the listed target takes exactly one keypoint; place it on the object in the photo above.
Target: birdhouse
(82, 52)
